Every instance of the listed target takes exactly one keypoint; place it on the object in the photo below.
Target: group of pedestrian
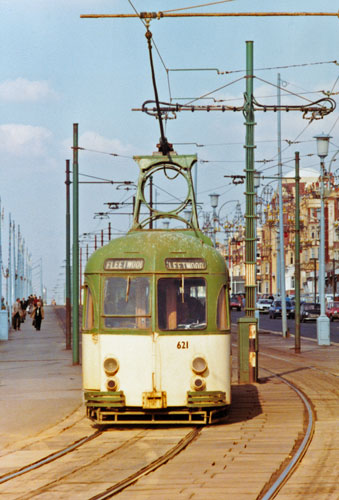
(32, 306)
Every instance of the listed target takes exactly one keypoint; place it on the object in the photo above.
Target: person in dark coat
(37, 315)
(16, 314)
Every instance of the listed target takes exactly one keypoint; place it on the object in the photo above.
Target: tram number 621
(182, 344)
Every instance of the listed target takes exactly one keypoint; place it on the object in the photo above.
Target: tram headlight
(198, 383)
(112, 384)
(199, 364)
(111, 366)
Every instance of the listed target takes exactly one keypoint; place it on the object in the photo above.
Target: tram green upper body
(154, 246)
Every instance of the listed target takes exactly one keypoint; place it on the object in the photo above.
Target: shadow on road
(245, 403)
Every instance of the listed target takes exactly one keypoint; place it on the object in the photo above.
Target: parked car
(332, 310)
(275, 309)
(309, 311)
(264, 305)
(235, 302)
(292, 311)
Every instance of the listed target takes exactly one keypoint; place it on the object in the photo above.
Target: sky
(58, 69)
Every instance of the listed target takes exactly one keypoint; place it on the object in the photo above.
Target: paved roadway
(307, 329)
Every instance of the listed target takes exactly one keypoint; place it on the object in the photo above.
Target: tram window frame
(89, 309)
(223, 324)
(127, 321)
(170, 318)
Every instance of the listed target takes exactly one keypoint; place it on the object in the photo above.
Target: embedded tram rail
(268, 447)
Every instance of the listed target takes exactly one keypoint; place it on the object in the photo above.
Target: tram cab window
(89, 312)
(127, 302)
(222, 308)
(181, 303)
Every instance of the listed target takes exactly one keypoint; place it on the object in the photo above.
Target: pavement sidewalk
(39, 386)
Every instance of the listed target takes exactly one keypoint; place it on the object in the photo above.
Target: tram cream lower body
(168, 357)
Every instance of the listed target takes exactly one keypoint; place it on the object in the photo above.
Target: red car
(332, 310)
(235, 302)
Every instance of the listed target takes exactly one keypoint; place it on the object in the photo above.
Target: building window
(291, 259)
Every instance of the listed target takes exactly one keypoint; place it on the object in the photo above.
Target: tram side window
(181, 303)
(127, 302)
(89, 313)
(222, 310)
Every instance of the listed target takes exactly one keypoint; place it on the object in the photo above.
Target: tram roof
(160, 250)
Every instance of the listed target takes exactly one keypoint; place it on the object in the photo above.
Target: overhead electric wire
(212, 91)
(104, 153)
(169, 194)
(282, 88)
(255, 69)
(197, 6)
(106, 180)
(335, 83)
(334, 124)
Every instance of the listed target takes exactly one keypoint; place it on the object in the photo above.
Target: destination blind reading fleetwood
(124, 264)
(174, 264)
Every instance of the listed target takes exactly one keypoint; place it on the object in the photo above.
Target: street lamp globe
(214, 197)
(188, 214)
(322, 144)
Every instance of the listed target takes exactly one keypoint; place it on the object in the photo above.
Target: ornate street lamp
(214, 198)
(323, 322)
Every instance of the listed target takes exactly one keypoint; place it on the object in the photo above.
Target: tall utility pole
(297, 256)
(0, 253)
(281, 222)
(247, 326)
(68, 259)
(75, 247)
(10, 271)
(41, 281)
(14, 266)
(3, 312)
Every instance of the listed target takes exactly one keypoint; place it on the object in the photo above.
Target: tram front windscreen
(181, 303)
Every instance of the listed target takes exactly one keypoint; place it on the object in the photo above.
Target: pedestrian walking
(38, 315)
(16, 315)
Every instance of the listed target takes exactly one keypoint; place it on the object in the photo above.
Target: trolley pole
(68, 261)
(247, 326)
(75, 255)
(297, 255)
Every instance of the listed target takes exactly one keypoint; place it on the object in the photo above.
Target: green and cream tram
(156, 324)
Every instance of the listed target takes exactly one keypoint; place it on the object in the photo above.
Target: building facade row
(268, 270)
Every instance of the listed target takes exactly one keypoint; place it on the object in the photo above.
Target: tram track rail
(118, 487)
(49, 458)
(86, 469)
(271, 492)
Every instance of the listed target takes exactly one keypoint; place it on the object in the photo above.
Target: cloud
(22, 90)
(23, 140)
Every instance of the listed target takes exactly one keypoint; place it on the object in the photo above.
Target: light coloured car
(263, 305)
